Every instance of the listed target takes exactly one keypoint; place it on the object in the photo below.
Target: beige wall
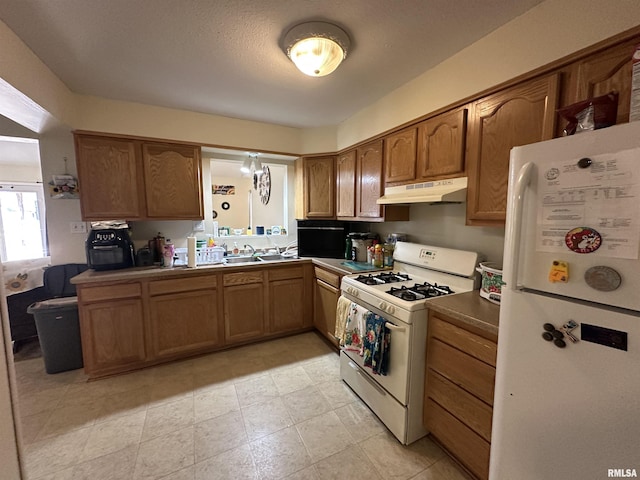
(549, 31)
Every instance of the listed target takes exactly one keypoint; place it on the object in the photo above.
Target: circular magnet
(584, 162)
(583, 240)
(547, 336)
(548, 327)
(559, 343)
(557, 334)
(602, 278)
(225, 205)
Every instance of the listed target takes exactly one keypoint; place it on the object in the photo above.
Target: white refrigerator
(567, 396)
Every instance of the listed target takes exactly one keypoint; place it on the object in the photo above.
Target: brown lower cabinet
(184, 316)
(459, 387)
(129, 325)
(325, 301)
(112, 327)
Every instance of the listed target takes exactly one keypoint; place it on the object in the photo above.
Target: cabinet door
(441, 145)
(400, 156)
(346, 185)
(515, 116)
(112, 335)
(110, 178)
(319, 187)
(173, 181)
(369, 180)
(324, 309)
(244, 312)
(286, 305)
(184, 322)
(602, 73)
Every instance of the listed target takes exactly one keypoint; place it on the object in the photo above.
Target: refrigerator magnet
(583, 240)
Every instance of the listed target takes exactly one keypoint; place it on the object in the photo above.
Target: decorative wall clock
(265, 185)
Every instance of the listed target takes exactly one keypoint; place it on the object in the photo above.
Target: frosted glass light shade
(316, 48)
(316, 57)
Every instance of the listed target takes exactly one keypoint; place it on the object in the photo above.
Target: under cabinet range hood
(439, 191)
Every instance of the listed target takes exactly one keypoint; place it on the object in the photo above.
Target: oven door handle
(366, 377)
(394, 327)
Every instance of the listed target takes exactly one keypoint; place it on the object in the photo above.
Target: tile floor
(274, 410)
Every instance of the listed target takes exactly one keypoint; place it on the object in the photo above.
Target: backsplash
(443, 225)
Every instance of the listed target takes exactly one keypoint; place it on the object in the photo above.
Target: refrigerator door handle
(515, 227)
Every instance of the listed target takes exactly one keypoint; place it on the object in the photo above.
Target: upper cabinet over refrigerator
(576, 212)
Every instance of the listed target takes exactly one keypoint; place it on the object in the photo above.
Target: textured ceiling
(223, 56)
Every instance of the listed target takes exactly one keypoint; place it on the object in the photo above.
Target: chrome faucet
(253, 250)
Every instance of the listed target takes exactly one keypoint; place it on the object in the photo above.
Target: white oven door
(396, 382)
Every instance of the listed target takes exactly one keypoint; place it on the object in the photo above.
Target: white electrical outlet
(198, 226)
(78, 227)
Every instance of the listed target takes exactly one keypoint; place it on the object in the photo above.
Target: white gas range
(420, 272)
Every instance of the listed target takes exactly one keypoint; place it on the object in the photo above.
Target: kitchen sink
(274, 256)
(243, 259)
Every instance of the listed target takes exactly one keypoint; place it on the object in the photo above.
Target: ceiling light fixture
(316, 48)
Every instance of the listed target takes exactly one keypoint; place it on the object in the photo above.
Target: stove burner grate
(420, 291)
(382, 278)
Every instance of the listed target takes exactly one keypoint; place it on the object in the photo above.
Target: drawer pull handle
(394, 327)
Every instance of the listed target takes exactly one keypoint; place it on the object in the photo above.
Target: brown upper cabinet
(400, 153)
(360, 185)
(519, 115)
(441, 145)
(599, 74)
(135, 180)
(319, 187)
(346, 185)
(369, 186)
(173, 182)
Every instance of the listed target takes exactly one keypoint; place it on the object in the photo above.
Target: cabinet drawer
(109, 292)
(464, 406)
(243, 278)
(468, 342)
(474, 376)
(286, 273)
(328, 277)
(174, 285)
(462, 442)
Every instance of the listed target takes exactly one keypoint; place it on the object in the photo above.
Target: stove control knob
(352, 291)
(382, 306)
(391, 309)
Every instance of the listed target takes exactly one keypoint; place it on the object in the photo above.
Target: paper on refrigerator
(603, 197)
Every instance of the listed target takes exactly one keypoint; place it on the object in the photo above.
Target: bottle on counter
(387, 254)
(235, 250)
(377, 256)
(249, 230)
(168, 251)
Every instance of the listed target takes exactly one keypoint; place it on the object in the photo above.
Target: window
(23, 233)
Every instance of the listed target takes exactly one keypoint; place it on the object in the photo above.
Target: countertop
(157, 272)
(469, 308)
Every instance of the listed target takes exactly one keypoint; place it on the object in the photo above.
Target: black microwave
(322, 238)
(109, 249)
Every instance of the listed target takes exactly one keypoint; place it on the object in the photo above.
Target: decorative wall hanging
(223, 189)
(64, 186)
(265, 185)
(225, 205)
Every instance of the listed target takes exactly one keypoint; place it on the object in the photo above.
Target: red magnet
(583, 240)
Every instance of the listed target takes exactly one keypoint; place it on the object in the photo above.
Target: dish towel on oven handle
(354, 329)
(342, 313)
(376, 344)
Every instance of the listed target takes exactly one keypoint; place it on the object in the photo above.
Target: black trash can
(58, 329)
